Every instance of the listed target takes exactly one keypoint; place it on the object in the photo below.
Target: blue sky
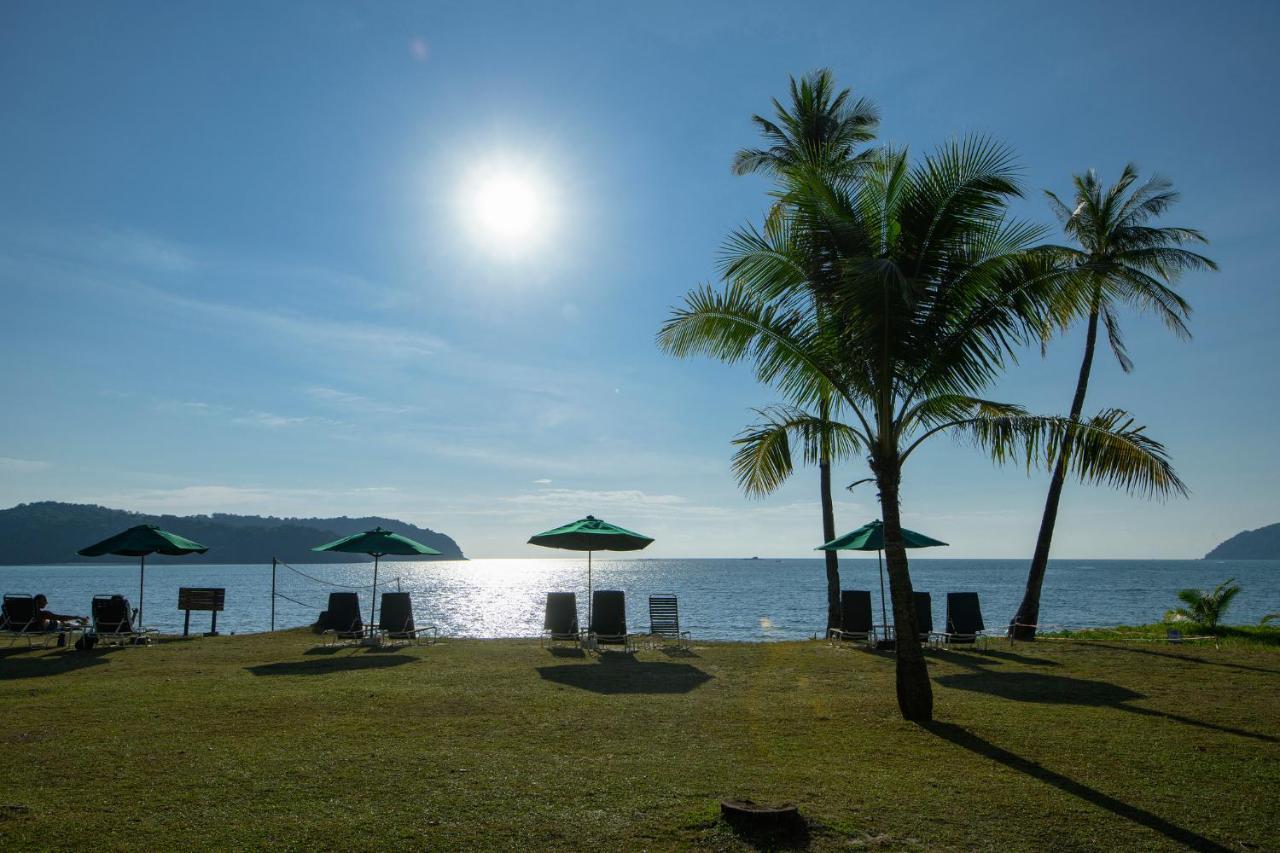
(237, 275)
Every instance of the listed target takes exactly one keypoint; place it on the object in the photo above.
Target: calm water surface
(719, 599)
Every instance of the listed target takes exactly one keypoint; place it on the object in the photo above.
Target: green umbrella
(591, 534)
(139, 542)
(870, 537)
(376, 543)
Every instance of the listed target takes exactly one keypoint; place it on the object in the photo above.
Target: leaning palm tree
(819, 132)
(1122, 260)
(932, 289)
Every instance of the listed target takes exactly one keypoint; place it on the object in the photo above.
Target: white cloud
(542, 482)
(347, 400)
(271, 420)
(12, 464)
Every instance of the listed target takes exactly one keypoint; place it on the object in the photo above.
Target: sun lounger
(924, 616)
(113, 621)
(342, 620)
(560, 624)
(855, 618)
(18, 621)
(664, 621)
(964, 619)
(395, 620)
(609, 620)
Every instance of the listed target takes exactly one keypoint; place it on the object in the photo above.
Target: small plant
(1205, 608)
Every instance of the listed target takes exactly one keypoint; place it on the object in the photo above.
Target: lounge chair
(855, 618)
(664, 621)
(609, 620)
(113, 621)
(342, 620)
(560, 624)
(395, 620)
(924, 616)
(18, 620)
(964, 619)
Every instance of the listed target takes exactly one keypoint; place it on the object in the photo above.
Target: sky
(243, 268)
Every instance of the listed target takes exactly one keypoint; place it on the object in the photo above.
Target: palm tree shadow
(1170, 656)
(1061, 690)
(331, 665)
(968, 740)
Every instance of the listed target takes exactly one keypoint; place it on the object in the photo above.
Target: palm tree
(931, 288)
(1206, 608)
(1122, 260)
(819, 133)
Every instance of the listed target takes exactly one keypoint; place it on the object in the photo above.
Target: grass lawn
(265, 740)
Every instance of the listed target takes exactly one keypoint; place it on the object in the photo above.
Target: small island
(1260, 544)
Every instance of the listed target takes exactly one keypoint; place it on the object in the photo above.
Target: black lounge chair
(560, 624)
(964, 619)
(18, 620)
(113, 621)
(342, 619)
(395, 620)
(609, 620)
(924, 616)
(664, 621)
(855, 618)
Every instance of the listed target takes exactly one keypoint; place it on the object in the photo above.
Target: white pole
(589, 599)
(375, 590)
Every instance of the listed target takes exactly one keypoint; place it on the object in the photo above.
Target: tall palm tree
(820, 133)
(1122, 260)
(931, 289)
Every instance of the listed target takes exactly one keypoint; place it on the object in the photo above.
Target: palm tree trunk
(915, 694)
(829, 533)
(1028, 615)
(829, 527)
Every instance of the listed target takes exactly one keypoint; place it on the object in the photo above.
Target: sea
(756, 600)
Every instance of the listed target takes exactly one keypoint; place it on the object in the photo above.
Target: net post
(273, 593)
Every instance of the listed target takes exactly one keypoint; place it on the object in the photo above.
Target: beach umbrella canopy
(377, 543)
(591, 534)
(870, 537)
(140, 541)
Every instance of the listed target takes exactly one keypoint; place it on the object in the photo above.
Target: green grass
(263, 740)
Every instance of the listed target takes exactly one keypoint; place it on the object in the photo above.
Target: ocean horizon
(735, 599)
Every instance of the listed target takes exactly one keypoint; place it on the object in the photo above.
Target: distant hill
(1260, 544)
(52, 532)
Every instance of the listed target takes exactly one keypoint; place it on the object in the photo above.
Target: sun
(508, 209)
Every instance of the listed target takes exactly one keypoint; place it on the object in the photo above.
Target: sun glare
(508, 209)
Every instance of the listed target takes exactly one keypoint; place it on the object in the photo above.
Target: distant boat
(755, 558)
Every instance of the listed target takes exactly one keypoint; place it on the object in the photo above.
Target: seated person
(47, 620)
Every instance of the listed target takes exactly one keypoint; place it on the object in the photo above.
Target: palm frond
(1108, 449)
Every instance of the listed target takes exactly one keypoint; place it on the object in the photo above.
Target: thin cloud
(15, 465)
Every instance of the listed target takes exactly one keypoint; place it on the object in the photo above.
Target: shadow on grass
(565, 652)
(1179, 656)
(968, 740)
(347, 663)
(56, 663)
(794, 837)
(616, 673)
(677, 652)
(982, 658)
(1061, 690)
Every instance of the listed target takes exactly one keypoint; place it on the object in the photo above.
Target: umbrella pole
(142, 582)
(589, 601)
(374, 596)
(884, 614)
